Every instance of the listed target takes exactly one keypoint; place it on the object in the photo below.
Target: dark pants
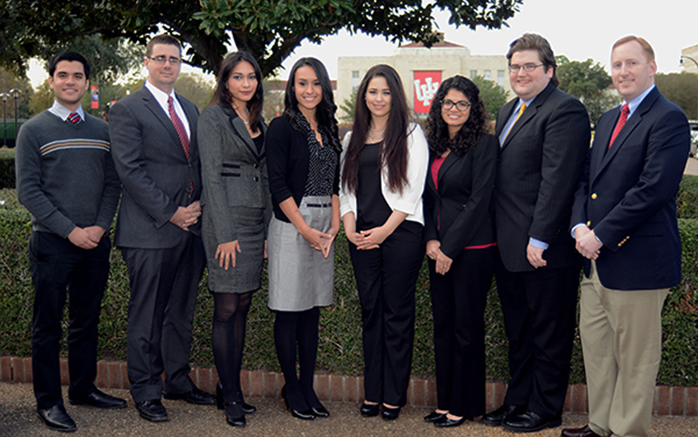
(58, 268)
(539, 317)
(164, 284)
(386, 278)
(458, 301)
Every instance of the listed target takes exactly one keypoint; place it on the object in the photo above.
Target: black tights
(301, 328)
(229, 320)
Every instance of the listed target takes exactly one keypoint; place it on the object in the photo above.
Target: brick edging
(668, 401)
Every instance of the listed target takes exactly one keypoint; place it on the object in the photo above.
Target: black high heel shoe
(370, 410)
(220, 403)
(389, 413)
(234, 414)
(308, 414)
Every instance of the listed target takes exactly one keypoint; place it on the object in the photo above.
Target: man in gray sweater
(67, 181)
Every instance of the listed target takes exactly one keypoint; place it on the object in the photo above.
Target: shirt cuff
(537, 243)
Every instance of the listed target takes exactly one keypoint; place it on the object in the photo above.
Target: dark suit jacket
(627, 195)
(154, 171)
(457, 214)
(539, 166)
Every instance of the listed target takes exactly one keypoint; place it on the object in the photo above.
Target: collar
(62, 112)
(159, 94)
(634, 103)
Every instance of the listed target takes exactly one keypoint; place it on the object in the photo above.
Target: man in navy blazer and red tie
(153, 134)
(544, 135)
(624, 223)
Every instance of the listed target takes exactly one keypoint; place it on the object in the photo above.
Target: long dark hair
(470, 132)
(325, 112)
(393, 153)
(221, 95)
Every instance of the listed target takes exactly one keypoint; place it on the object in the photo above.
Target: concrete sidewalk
(18, 419)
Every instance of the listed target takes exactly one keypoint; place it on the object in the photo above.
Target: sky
(576, 29)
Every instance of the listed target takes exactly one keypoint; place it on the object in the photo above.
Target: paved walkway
(18, 419)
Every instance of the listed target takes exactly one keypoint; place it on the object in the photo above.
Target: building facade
(690, 65)
(422, 70)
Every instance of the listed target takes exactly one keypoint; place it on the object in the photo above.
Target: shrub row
(340, 349)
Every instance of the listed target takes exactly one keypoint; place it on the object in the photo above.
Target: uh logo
(426, 83)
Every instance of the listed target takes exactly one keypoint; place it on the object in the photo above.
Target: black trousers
(60, 268)
(386, 280)
(539, 317)
(458, 301)
(164, 284)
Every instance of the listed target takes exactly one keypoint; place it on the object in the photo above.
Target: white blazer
(410, 201)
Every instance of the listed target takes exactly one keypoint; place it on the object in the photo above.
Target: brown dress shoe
(584, 431)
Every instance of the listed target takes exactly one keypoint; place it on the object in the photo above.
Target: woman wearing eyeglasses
(460, 245)
(236, 210)
(384, 164)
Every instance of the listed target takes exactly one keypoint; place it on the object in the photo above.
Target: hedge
(340, 349)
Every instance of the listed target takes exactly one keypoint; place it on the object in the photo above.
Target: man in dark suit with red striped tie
(624, 223)
(153, 133)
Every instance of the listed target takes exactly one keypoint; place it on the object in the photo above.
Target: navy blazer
(627, 195)
(539, 166)
(154, 171)
(458, 213)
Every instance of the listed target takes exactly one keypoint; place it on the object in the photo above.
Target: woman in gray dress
(236, 210)
(303, 155)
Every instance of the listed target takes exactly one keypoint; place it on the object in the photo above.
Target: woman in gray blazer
(236, 211)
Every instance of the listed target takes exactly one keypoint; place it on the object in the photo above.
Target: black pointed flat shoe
(370, 410)
(434, 417)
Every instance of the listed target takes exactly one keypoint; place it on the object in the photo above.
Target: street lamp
(4, 116)
(695, 62)
(15, 93)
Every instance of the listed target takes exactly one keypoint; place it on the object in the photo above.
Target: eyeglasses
(163, 59)
(526, 67)
(462, 105)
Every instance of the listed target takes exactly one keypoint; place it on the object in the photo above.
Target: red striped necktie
(74, 117)
(621, 122)
(179, 127)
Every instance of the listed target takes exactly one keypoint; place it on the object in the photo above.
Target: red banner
(95, 97)
(426, 83)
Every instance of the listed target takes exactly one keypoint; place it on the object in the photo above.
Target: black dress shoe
(530, 421)
(388, 413)
(193, 396)
(445, 422)
(152, 410)
(303, 415)
(496, 417)
(584, 431)
(320, 412)
(56, 418)
(220, 403)
(234, 415)
(370, 410)
(434, 417)
(97, 399)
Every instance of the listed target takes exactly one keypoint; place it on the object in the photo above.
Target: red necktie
(621, 122)
(74, 117)
(179, 127)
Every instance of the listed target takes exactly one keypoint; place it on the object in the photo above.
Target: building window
(473, 74)
(500, 78)
(354, 81)
(488, 75)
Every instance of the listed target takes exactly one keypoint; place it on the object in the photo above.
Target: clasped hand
(320, 241)
(442, 262)
(185, 217)
(369, 239)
